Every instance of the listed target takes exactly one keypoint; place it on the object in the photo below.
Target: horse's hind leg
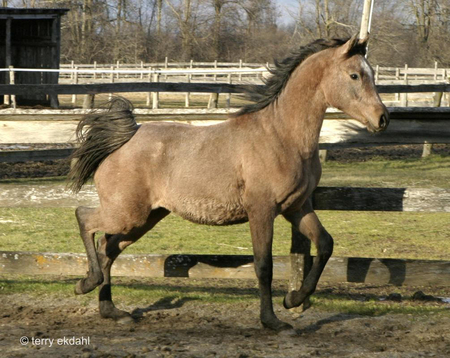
(88, 220)
(301, 245)
(309, 225)
(109, 248)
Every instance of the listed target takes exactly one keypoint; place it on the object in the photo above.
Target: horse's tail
(99, 134)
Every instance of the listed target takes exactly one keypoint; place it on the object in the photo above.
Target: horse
(260, 163)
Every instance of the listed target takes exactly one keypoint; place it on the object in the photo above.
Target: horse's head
(348, 84)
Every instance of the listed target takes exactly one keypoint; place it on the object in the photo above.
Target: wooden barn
(30, 38)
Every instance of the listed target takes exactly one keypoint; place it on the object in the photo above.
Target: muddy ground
(61, 167)
(177, 326)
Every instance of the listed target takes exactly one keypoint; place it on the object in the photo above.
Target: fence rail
(22, 89)
(349, 269)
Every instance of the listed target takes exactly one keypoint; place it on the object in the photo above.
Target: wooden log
(360, 270)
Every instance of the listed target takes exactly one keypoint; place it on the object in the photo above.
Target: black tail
(105, 133)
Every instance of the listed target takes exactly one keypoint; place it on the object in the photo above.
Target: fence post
(118, 66)
(95, 69)
(72, 66)
(377, 73)
(166, 66)
(186, 101)
(75, 81)
(149, 94)
(111, 80)
(215, 74)
(88, 102)
(142, 70)
(397, 77)
(213, 101)
(404, 96)
(437, 99)
(323, 155)
(229, 94)
(155, 95)
(12, 81)
(240, 67)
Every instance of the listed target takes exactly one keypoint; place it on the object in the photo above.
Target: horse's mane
(269, 92)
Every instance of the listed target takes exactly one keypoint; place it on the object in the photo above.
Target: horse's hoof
(79, 288)
(287, 301)
(83, 286)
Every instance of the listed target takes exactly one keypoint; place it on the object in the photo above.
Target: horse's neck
(298, 115)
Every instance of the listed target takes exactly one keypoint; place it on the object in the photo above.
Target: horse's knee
(325, 246)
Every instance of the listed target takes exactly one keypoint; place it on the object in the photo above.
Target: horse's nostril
(383, 122)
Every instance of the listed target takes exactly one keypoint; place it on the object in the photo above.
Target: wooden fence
(409, 125)
(350, 269)
(221, 73)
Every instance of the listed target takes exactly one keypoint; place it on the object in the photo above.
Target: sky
(285, 7)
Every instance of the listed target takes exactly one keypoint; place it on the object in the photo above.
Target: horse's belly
(209, 211)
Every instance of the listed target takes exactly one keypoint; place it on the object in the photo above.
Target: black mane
(269, 92)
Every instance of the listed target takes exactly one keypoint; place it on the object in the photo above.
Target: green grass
(372, 234)
(433, 171)
(364, 234)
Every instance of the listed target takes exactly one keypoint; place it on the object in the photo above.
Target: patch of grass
(432, 171)
(360, 234)
(365, 234)
(377, 308)
(132, 291)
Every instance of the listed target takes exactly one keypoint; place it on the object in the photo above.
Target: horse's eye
(354, 76)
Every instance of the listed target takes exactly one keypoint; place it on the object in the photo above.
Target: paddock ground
(179, 324)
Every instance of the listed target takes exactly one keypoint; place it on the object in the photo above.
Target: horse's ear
(349, 45)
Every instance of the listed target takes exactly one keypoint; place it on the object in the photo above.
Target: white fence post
(75, 81)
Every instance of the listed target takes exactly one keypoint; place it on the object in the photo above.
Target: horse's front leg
(308, 224)
(261, 228)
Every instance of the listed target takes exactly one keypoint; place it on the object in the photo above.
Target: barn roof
(29, 13)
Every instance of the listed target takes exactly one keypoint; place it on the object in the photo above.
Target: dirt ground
(184, 327)
(51, 326)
